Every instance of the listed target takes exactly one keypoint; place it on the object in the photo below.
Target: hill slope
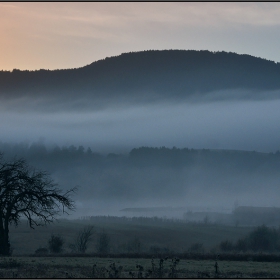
(148, 75)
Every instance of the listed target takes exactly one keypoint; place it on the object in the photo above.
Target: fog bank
(241, 125)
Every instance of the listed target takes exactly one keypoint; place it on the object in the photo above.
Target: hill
(148, 76)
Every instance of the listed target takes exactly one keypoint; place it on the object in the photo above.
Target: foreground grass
(92, 267)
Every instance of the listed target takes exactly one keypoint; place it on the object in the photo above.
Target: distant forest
(145, 156)
(161, 74)
(147, 171)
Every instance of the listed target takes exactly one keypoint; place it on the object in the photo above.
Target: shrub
(114, 271)
(263, 239)
(173, 268)
(158, 272)
(103, 243)
(56, 243)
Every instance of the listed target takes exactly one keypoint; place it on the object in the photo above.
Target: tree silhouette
(103, 243)
(83, 238)
(25, 192)
(55, 243)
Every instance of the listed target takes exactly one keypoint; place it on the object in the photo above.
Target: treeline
(150, 172)
(178, 157)
(146, 156)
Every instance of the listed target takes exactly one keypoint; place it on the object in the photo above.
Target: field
(92, 267)
(161, 242)
(160, 234)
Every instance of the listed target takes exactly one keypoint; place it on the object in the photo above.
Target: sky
(52, 35)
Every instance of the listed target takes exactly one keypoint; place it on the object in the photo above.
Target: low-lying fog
(242, 125)
(235, 124)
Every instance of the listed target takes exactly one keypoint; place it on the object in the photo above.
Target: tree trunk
(5, 247)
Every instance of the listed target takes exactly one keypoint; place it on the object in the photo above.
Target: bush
(56, 243)
(103, 243)
(263, 239)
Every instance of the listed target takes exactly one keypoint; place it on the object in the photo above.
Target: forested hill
(149, 74)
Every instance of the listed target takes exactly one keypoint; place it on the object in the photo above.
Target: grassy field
(91, 267)
(173, 238)
(170, 236)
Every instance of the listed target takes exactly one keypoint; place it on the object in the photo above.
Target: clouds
(68, 35)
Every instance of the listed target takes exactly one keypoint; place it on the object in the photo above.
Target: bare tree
(82, 239)
(25, 192)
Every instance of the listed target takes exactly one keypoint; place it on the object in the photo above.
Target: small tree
(56, 243)
(29, 193)
(82, 239)
(103, 243)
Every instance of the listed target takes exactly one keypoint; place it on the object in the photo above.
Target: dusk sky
(70, 35)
